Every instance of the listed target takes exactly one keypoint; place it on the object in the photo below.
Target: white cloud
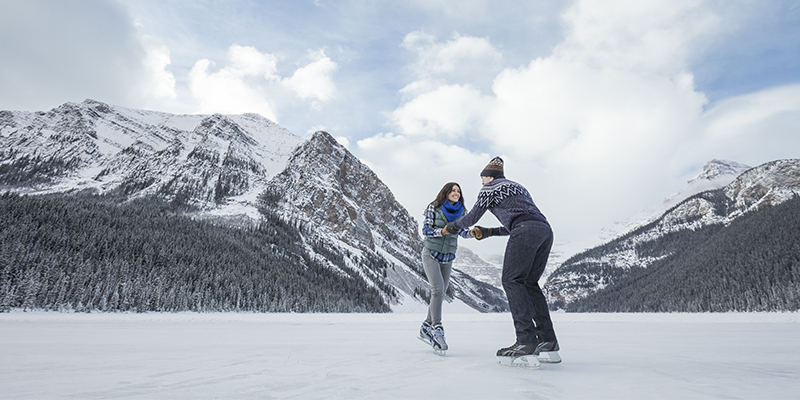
(238, 87)
(739, 115)
(249, 82)
(460, 60)
(343, 141)
(751, 128)
(157, 82)
(593, 130)
(314, 80)
(643, 36)
(448, 111)
(416, 169)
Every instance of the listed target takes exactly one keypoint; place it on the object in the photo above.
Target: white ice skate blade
(527, 362)
(549, 357)
(425, 340)
(438, 352)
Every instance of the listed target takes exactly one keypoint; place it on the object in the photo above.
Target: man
(526, 256)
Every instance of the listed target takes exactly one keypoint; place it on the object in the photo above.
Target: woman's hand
(450, 228)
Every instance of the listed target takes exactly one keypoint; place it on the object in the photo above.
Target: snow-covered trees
(85, 253)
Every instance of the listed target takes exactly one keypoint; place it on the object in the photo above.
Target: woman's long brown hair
(442, 196)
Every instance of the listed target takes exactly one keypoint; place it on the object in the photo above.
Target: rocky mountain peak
(230, 167)
(328, 184)
(203, 160)
(768, 184)
(352, 211)
(717, 168)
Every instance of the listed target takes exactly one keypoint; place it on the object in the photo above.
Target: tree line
(753, 264)
(85, 252)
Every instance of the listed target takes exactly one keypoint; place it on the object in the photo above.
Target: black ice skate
(518, 355)
(548, 352)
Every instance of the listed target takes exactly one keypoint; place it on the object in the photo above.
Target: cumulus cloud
(315, 80)
(157, 81)
(445, 99)
(417, 168)
(752, 128)
(250, 82)
(460, 60)
(238, 87)
(599, 128)
(647, 36)
(448, 111)
(343, 141)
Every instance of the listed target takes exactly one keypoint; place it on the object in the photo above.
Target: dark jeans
(526, 257)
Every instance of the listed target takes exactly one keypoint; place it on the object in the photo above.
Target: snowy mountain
(202, 161)
(715, 174)
(234, 169)
(661, 239)
(477, 267)
(357, 218)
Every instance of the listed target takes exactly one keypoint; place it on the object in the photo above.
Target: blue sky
(600, 108)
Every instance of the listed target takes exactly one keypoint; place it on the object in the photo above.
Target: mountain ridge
(595, 269)
(230, 169)
(355, 212)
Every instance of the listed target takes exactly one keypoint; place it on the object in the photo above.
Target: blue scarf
(452, 211)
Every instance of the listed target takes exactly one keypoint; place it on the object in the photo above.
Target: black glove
(480, 232)
(451, 228)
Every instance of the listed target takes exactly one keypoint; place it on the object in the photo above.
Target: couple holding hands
(527, 250)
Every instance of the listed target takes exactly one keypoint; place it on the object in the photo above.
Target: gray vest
(444, 244)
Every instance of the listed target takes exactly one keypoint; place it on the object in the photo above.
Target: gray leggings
(439, 277)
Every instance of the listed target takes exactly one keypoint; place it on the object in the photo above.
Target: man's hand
(479, 232)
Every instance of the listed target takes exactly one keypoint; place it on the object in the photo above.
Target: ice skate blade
(549, 357)
(527, 362)
(425, 340)
(438, 352)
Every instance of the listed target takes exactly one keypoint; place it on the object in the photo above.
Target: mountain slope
(82, 252)
(693, 220)
(196, 160)
(356, 216)
(232, 170)
(478, 268)
(753, 264)
(715, 174)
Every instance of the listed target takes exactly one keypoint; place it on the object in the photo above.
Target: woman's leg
(433, 270)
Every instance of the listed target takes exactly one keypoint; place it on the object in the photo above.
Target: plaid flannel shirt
(429, 231)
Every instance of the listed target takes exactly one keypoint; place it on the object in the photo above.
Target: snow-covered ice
(373, 356)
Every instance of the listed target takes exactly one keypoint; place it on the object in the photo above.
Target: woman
(437, 257)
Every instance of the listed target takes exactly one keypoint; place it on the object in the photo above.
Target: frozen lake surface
(368, 356)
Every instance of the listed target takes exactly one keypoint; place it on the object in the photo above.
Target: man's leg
(541, 312)
(521, 250)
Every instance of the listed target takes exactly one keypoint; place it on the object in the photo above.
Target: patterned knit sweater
(509, 201)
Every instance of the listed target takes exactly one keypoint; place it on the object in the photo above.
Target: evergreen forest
(85, 252)
(753, 264)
